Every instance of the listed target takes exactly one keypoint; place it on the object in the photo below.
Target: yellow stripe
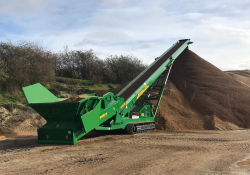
(104, 115)
(123, 105)
(142, 91)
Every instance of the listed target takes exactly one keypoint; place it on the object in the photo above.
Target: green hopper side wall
(37, 93)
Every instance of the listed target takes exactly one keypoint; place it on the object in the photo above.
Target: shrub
(25, 63)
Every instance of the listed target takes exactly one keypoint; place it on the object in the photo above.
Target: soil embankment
(242, 76)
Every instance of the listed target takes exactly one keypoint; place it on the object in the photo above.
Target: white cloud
(86, 42)
(26, 6)
(144, 46)
(226, 33)
(109, 36)
(245, 65)
(111, 1)
(194, 15)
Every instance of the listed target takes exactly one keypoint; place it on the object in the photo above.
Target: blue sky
(219, 29)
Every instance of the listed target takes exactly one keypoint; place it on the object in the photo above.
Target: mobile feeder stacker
(69, 121)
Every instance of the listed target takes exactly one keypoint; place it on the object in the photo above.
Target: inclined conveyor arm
(143, 81)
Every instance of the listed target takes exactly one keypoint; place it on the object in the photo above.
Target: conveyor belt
(133, 87)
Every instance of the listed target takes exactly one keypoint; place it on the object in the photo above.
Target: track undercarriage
(141, 127)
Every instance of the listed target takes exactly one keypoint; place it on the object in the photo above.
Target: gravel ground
(197, 152)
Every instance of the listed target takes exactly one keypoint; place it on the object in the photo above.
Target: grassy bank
(61, 87)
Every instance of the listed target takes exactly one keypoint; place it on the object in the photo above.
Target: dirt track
(199, 152)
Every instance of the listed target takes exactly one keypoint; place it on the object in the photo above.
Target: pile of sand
(210, 91)
(175, 112)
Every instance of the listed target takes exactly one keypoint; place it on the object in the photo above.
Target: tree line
(26, 63)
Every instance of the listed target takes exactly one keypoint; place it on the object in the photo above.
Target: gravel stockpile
(210, 91)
